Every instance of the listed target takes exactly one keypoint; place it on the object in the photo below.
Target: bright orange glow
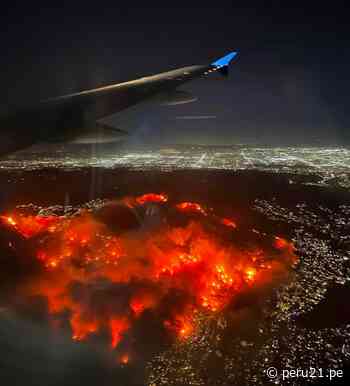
(29, 226)
(11, 221)
(250, 274)
(82, 328)
(186, 330)
(283, 244)
(83, 239)
(181, 325)
(151, 197)
(105, 281)
(143, 301)
(157, 198)
(124, 359)
(137, 307)
(117, 328)
(280, 243)
(190, 207)
(228, 223)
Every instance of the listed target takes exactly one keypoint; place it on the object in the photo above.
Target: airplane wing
(78, 116)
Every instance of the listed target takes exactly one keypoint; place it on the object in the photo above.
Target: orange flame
(157, 198)
(82, 328)
(190, 259)
(29, 226)
(190, 207)
(117, 328)
(124, 359)
(228, 223)
(151, 197)
(181, 325)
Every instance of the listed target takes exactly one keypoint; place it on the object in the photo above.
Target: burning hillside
(110, 269)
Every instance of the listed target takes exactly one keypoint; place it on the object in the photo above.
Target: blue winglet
(225, 60)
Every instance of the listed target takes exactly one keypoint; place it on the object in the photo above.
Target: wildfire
(29, 226)
(124, 359)
(281, 243)
(151, 197)
(142, 301)
(117, 328)
(157, 198)
(228, 223)
(191, 207)
(105, 281)
(250, 274)
(10, 220)
(81, 328)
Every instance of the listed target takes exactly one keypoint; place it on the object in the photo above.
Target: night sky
(289, 84)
